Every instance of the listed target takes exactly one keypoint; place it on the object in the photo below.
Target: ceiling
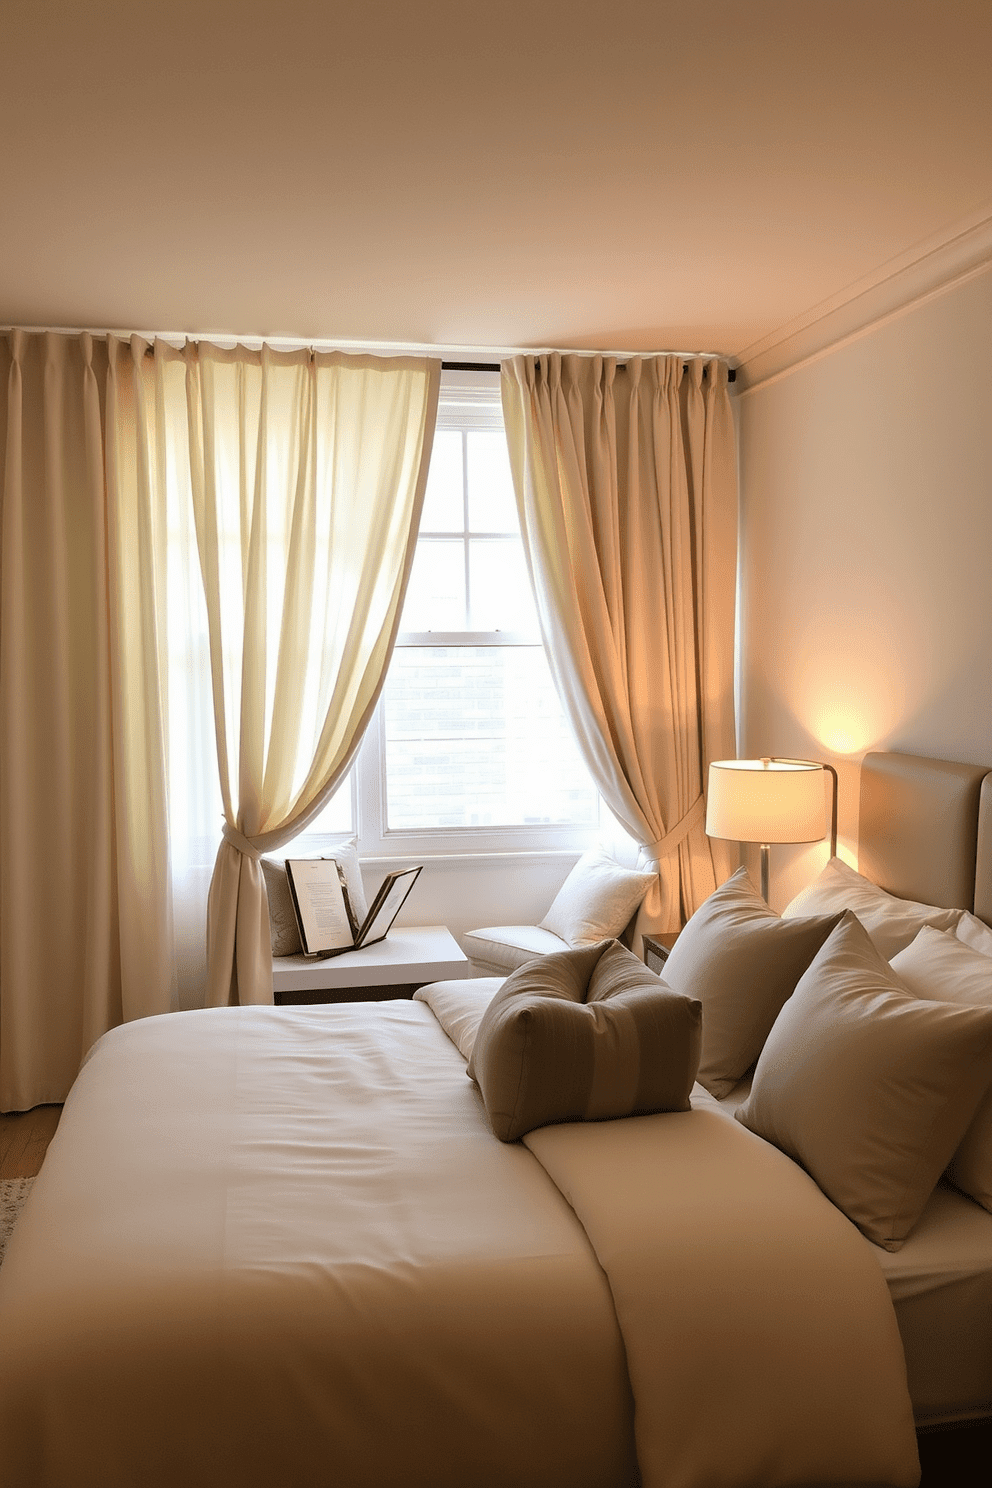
(631, 174)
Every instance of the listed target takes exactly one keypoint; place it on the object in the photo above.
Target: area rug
(13, 1192)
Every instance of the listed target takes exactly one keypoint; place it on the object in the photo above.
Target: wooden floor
(24, 1139)
(953, 1457)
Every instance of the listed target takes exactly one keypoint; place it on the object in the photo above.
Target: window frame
(469, 401)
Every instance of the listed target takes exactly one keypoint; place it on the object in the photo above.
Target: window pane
(337, 815)
(501, 597)
(491, 503)
(444, 507)
(435, 599)
(475, 737)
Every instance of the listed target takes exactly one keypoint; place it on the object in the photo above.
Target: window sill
(477, 857)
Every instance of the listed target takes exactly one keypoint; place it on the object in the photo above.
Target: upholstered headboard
(925, 830)
(983, 874)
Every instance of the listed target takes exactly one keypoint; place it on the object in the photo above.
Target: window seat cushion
(502, 948)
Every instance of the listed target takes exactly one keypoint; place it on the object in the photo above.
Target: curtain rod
(495, 367)
(373, 349)
(445, 366)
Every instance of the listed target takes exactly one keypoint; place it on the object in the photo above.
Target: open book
(323, 910)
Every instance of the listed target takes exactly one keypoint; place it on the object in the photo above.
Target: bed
(283, 1246)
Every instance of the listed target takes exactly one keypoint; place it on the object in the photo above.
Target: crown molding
(927, 269)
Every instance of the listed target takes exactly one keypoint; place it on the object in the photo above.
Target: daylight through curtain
(204, 556)
(308, 474)
(627, 490)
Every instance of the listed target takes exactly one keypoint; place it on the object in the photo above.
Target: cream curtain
(85, 925)
(308, 475)
(627, 489)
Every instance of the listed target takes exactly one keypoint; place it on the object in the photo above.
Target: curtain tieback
(693, 818)
(240, 841)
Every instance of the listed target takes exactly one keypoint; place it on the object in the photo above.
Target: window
(469, 749)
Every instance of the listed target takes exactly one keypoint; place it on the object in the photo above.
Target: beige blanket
(761, 1341)
(281, 1247)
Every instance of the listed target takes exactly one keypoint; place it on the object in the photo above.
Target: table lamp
(769, 800)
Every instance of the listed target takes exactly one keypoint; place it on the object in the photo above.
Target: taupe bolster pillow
(584, 1035)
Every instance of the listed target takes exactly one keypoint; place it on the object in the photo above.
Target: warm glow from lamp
(766, 801)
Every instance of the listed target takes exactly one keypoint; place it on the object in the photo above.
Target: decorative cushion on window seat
(595, 903)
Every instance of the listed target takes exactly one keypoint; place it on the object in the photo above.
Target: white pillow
(346, 854)
(869, 1087)
(975, 933)
(283, 928)
(891, 922)
(597, 899)
(942, 968)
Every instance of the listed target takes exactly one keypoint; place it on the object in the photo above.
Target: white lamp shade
(765, 801)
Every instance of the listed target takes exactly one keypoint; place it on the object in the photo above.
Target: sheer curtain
(307, 477)
(85, 924)
(204, 555)
(627, 489)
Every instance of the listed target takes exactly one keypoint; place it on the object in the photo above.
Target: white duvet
(280, 1247)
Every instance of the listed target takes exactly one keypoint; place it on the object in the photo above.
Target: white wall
(466, 893)
(866, 559)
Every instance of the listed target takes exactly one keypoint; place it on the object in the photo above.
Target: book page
(387, 905)
(325, 924)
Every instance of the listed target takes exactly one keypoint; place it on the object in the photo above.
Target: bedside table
(656, 949)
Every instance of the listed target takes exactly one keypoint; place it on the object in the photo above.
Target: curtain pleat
(84, 925)
(626, 487)
(302, 478)
(308, 475)
(138, 539)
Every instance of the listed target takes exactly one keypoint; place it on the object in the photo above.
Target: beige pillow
(939, 967)
(584, 1035)
(597, 899)
(867, 1086)
(283, 928)
(891, 922)
(741, 961)
(975, 933)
